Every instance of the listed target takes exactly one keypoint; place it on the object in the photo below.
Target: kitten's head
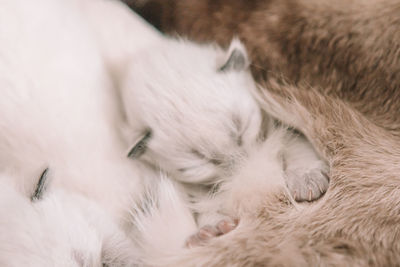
(189, 109)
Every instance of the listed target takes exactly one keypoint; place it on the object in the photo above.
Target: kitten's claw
(307, 184)
(207, 232)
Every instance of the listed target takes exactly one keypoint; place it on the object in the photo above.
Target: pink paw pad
(207, 232)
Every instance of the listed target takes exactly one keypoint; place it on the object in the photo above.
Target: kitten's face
(190, 110)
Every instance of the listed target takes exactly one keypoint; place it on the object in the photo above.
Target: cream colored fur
(356, 223)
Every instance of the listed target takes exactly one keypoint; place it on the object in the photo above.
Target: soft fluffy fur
(270, 230)
(162, 222)
(59, 109)
(355, 224)
(199, 123)
(69, 106)
(345, 48)
(64, 115)
(60, 229)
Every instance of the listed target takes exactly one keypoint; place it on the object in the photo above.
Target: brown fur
(346, 48)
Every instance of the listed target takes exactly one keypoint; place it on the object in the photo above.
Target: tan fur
(346, 48)
(356, 223)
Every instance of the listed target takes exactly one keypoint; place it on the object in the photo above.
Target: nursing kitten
(190, 113)
(343, 48)
(356, 223)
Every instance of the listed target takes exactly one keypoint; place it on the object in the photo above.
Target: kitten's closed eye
(41, 186)
(140, 146)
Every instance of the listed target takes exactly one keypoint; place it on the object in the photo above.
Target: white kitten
(57, 228)
(58, 109)
(58, 104)
(190, 112)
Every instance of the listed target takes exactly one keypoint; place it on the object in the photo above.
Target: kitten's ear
(236, 58)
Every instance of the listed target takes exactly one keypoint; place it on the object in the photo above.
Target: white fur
(175, 89)
(58, 109)
(62, 229)
(119, 32)
(258, 183)
(163, 222)
(260, 173)
(204, 122)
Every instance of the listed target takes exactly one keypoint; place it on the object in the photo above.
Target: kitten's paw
(207, 232)
(307, 184)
